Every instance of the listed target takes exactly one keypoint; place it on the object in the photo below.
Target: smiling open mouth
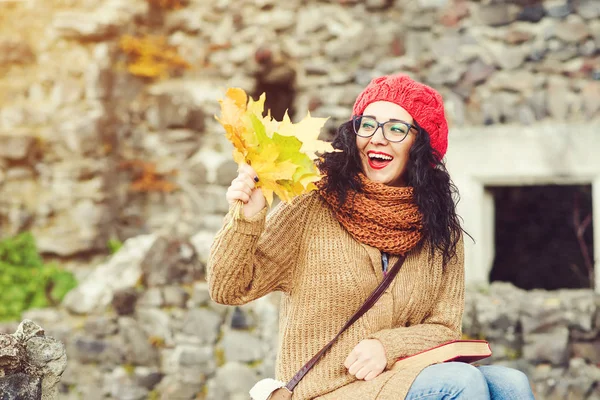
(378, 160)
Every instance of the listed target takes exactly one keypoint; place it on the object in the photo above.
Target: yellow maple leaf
(307, 131)
(281, 153)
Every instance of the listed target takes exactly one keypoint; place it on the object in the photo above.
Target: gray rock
(28, 329)
(170, 261)
(455, 108)
(82, 130)
(175, 296)
(214, 200)
(175, 388)
(539, 104)
(197, 174)
(477, 72)
(588, 48)
(508, 57)
(422, 20)
(202, 242)
(551, 346)
(175, 110)
(122, 386)
(21, 386)
(579, 308)
(588, 9)
(48, 357)
(203, 324)
(147, 377)
(532, 13)
(124, 301)
(558, 8)
(515, 81)
(591, 98)
(108, 352)
(12, 354)
(84, 380)
(152, 297)
(432, 3)
(241, 346)
(226, 172)
(138, 349)
(377, 4)
(200, 295)
(418, 44)
(239, 318)
(75, 222)
(193, 365)
(156, 324)
(194, 357)
(496, 315)
(497, 14)
(558, 88)
(232, 381)
(447, 74)
(17, 147)
(572, 30)
(589, 351)
(526, 116)
(43, 350)
(101, 326)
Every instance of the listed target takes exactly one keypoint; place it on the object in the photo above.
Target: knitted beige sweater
(325, 276)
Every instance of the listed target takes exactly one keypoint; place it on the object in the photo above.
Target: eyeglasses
(393, 130)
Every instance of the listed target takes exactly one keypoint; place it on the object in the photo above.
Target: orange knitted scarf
(381, 216)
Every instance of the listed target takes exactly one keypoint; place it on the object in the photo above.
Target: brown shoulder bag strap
(371, 300)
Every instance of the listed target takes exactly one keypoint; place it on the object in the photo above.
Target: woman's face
(384, 161)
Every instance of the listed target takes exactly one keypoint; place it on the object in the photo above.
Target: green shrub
(25, 281)
(114, 245)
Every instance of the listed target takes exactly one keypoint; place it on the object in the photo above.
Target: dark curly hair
(435, 193)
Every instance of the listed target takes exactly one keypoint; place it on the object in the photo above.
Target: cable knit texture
(381, 216)
(422, 102)
(325, 275)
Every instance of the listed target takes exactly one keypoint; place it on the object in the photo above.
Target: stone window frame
(508, 155)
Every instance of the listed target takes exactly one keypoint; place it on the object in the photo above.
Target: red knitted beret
(422, 102)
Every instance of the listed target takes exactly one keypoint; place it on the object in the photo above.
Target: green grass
(26, 281)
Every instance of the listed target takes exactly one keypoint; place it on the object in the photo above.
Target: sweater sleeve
(442, 324)
(255, 256)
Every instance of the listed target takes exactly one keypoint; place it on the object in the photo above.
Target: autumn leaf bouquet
(283, 154)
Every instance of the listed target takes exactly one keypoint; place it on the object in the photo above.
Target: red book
(457, 350)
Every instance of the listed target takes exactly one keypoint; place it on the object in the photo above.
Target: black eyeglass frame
(356, 118)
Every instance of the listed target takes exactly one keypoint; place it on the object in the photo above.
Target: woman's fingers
(241, 188)
(352, 357)
(372, 375)
(355, 367)
(362, 372)
(248, 170)
(239, 195)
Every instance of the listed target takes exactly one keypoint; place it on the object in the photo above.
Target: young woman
(386, 194)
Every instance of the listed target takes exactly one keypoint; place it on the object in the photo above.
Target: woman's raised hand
(244, 188)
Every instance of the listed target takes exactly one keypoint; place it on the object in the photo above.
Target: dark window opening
(278, 82)
(543, 236)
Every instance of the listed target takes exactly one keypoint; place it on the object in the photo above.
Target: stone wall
(77, 129)
(79, 134)
(31, 364)
(143, 327)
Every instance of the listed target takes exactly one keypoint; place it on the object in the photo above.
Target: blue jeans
(455, 380)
